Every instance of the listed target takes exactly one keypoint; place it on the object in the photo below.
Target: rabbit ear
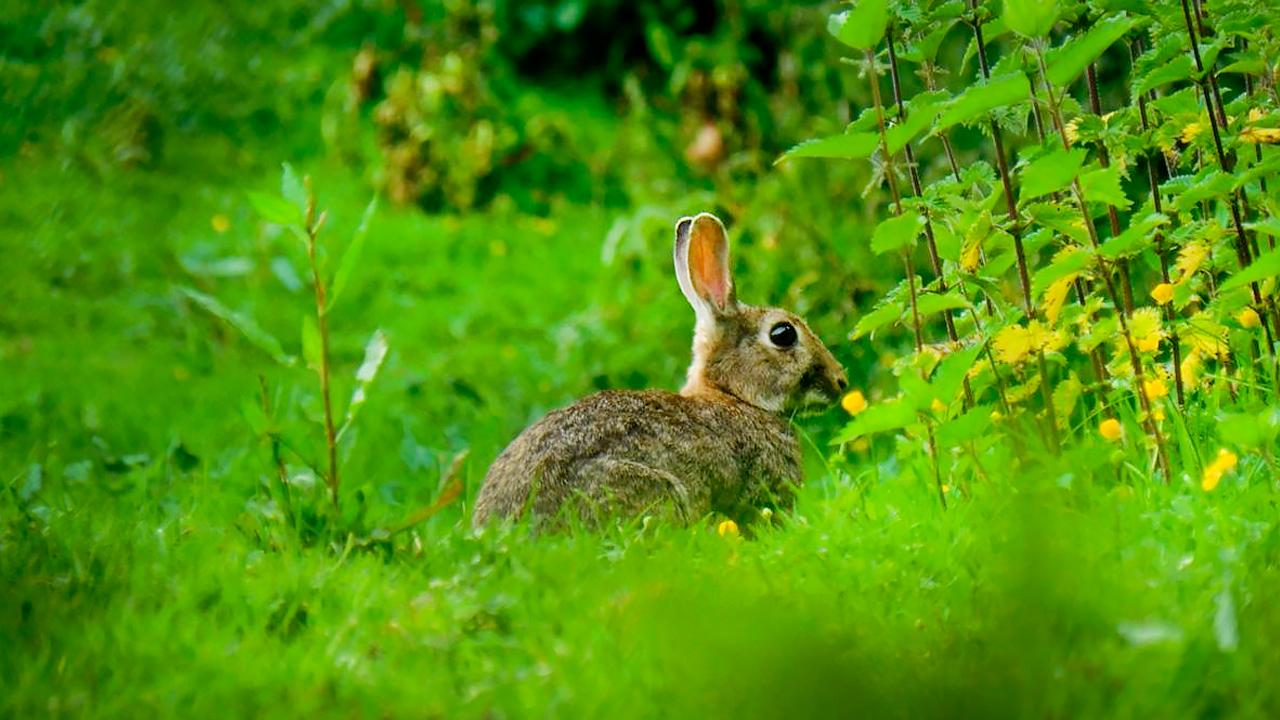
(702, 264)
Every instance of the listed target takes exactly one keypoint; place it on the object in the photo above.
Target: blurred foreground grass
(145, 572)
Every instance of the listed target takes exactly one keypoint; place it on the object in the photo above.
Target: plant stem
(313, 225)
(934, 260)
(1082, 203)
(1095, 105)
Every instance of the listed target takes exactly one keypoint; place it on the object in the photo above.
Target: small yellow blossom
(1150, 343)
(946, 489)
(854, 402)
(1257, 135)
(1110, 429)
(996, 416)
(1072, 131)
(1155, 388)
(937, 406)
(1220, 466)
(1190, 132)
(1162, 293)
(221, 223)
(1248, 318)
(728, 528)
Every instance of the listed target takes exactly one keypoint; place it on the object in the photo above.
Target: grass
(145, 571)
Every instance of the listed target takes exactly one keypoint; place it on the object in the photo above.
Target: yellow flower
(1072, 131)
(1155, 388)
(1190, 132)
(1248, 318)
(996, 416)
(728, 528)
(1191, 365)
(937, 406)
(1256, 135)
(1110, 429)
(1220, 466)
(1255, 114)
(854, 402)
(1162, 293)
(221, 223)
(1150, 343)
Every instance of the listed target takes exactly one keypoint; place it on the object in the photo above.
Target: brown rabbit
(723, 443)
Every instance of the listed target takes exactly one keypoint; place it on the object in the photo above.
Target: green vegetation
(1046, 259)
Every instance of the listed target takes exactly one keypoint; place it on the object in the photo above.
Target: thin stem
(313, 225)
(1095, 105)
(1104, 271)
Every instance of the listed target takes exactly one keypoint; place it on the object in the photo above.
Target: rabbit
(723, 444)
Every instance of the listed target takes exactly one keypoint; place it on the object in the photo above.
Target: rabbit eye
(783, 334)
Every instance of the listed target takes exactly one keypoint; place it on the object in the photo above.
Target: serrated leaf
(862, 27)
(1067, 263)
(1065, 63)
(351, 258)
(964, 428)
(918, 120)
(275, 209)
(243, 323)
(930, 303)
(949, 376)
(875, 320)
(896, 233)
(1103, 186)
(1176, 70)
(849, 146)
(1137, 237)
(1213, 185)
(1051, 173)
(1264, 266)
(982, 98)
(1030, 18)
(891, 415)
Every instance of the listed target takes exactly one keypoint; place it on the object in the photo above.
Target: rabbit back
(631, 452)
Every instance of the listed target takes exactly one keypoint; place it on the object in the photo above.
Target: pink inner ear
(708, 264)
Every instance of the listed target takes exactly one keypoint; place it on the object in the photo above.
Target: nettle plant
(1098, 270)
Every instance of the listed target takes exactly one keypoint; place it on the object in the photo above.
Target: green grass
(145, 570)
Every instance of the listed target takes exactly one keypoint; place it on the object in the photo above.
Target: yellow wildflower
(1150, 343)
(1162, 293)
(1110, 429)
(996, 416)
(854, 402)
(1257, 135)
(1155, 388)
(1220, 466)
(1248, 318)
(728, 528)
(1072, 131)
(937, 406)
(221, 223)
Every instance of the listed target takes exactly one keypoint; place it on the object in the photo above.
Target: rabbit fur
(724, 443)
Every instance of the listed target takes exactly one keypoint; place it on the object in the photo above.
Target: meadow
(1029, 505)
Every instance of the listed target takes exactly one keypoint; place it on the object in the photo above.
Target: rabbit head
(767, 357)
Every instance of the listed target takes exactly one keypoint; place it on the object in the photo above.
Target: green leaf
(1103, 186)
(275, 209)
(1264, 266)
(930, 303)
(1270, 226)
(862, 27)
(847, 146)
(919, 120)
(1136, 238)
(312, 348)
(1067, 263)
(1065, 63)
(292, 188)
(1213, 185)
(890, 415)
(949, 376)
(1031, 18)
(875, 320)
(982, 98)
(375, 353)
(243, 323)
(966, 427)
(896, 233)
(1051, 173)
(351, 258)
(1176, 70)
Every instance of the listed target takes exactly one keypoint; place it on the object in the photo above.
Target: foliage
(169, 543)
